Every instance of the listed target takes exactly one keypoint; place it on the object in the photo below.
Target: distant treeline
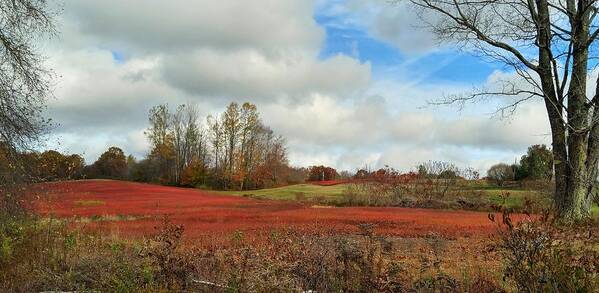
(231, 150)
(234, 151)
(39, 167)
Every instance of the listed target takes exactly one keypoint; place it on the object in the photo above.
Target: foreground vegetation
(44, 254)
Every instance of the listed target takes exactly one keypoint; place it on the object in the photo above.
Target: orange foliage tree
(321, 173)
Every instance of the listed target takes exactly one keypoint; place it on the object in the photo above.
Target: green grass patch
(89, 203)
(515, 198)
(298, 192)
(333, 194)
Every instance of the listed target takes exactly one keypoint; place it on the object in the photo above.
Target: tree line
(34, 166)
(231, 150)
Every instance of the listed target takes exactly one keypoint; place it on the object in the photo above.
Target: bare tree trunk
(593, 151)
(577, 203)
(553, 103)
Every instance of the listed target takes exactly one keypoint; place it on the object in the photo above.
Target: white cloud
(248, 73)
(95, 92)
(156, 26)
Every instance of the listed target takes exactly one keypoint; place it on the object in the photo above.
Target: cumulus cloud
(326, 121)
(95, 92)
(248, 73)
(155, 26)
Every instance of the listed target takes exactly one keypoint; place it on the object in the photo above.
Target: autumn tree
(24, 82)
(161, 140)
(235, 150)
(322, 173)
(250, 129)
(361, 174)
(273, 157)
(246, 153)
(111, 164)
(548, 45)
(51, 165)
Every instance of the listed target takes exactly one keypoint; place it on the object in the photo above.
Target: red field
(134, 209)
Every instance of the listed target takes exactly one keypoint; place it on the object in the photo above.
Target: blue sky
(445, 65)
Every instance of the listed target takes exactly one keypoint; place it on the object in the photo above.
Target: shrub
(171, 266)
(501, 173)
(540, 256)
(436, 179)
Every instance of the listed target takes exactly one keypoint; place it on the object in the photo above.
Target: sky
(346, 82)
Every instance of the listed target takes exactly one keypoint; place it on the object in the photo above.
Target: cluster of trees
(384, 175)
(321, 173)
(438, 170)
(232, 150)
(49, 165)
(52, 165)
(536, 164)
(112, 164)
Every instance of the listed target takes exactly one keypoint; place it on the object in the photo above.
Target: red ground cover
(204, 213)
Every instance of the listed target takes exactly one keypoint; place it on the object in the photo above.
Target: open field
(333, 194)
(242, 242)
(134, 209)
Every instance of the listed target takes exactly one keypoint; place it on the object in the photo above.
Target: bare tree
(548, 44)
(189, 144)
(216, 139)
(24, 81)
(251, 126)
(231, 124)
(179, 141)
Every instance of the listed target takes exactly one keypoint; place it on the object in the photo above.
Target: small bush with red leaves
(542, 255)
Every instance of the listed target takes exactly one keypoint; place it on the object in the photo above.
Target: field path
(135, 209)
